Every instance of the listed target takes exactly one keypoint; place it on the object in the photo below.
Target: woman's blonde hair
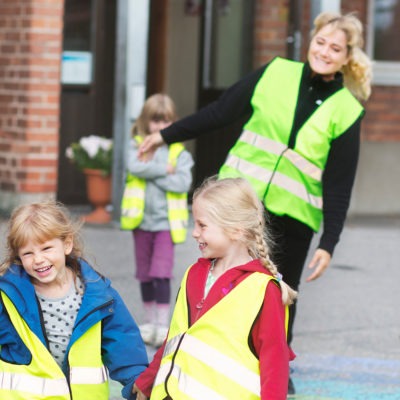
(158, 107)
(233, 204)
(39, 222)
(357, 74)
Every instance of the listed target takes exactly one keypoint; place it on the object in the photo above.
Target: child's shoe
(148, 333)
(160, 336)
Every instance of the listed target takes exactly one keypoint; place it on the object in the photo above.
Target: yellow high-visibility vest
(43, 378)
(289, 180)
(199, 362)
(132, 205)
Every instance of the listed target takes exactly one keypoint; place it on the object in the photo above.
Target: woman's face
(328, 52)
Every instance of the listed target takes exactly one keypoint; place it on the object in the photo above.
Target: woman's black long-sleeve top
(342, 161)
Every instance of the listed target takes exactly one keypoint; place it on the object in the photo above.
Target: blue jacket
(123, 351)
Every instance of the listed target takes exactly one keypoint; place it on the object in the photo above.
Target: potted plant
(93, 156)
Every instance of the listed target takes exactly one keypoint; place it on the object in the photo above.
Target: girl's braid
(262, 251)
(288, 294)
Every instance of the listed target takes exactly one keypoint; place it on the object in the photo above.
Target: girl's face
(328, 52)
(45, 262)
(158, 125)
(212, 239)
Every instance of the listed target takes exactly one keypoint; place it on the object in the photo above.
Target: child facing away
(227, 337)
(154, 206)
(63, 328)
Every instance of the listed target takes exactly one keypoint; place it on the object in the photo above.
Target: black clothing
(292, 237)
(342, 161)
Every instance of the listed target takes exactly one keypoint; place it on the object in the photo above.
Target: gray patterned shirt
(59, 317)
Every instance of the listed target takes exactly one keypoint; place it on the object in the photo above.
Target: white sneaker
(160, 336)
(148, 332)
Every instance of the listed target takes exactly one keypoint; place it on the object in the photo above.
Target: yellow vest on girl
(43, 378)
(132, 205)
(211, 359)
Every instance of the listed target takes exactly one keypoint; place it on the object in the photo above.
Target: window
(227, 42)
(383, 42)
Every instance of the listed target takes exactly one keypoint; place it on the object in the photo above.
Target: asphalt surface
(347, 329)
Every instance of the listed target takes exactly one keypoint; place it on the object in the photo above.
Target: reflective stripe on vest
(43, 378)
(198, 362)
(88, 375)
(289, 181)
(133, 201)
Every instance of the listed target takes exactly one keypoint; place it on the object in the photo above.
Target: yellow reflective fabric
(41, 379)
(289, 181)
(178, 213)
(199, 363)
(88, 375)
(132, 204)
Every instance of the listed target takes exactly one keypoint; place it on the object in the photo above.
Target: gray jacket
(159, 182)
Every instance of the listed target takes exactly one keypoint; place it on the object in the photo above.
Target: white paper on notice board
(76, 67)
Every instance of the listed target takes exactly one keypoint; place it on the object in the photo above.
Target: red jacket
(268, 338)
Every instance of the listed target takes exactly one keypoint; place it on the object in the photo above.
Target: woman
(300, 145)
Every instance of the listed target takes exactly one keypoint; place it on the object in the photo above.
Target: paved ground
(347, 332)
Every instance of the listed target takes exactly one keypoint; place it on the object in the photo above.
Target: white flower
(69, 153)
(105, 143)
(90, 144)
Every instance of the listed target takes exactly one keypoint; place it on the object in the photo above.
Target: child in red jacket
(227, 337)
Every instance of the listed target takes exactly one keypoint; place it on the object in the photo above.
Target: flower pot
(98, 188)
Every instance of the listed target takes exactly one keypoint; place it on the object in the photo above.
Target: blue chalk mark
(344, 378)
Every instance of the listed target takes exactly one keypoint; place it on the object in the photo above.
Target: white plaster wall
(377, 187)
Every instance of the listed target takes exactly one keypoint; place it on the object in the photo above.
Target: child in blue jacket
(63, 328)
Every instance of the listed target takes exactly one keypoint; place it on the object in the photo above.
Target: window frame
(384, 72)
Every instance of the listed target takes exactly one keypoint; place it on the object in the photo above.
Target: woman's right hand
(149, 144)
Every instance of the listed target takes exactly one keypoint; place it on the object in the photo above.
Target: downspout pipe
(294, 37)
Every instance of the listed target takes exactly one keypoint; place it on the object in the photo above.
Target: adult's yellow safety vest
(289, 180)
(133, 199)
(43, 378)
(199, 362)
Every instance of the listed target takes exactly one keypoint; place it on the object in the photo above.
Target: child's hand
(170, 169)
(140, 395)
(148, 156)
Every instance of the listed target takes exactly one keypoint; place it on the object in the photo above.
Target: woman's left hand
(319, 263)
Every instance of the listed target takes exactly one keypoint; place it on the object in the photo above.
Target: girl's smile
(45, 262)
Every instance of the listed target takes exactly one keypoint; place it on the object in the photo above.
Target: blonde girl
(63, 328)
(154, 207)
(232, 306)
(157, 113)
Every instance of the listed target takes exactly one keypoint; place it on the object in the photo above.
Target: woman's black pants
(291, 241)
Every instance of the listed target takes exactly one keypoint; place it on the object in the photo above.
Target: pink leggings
(154, 255)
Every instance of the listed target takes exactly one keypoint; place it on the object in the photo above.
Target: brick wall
(30, 48)
(270, 30)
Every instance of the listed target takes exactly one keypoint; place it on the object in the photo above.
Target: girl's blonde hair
(156, 108)
(233, 204)
(39, 222)
(357, 74)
